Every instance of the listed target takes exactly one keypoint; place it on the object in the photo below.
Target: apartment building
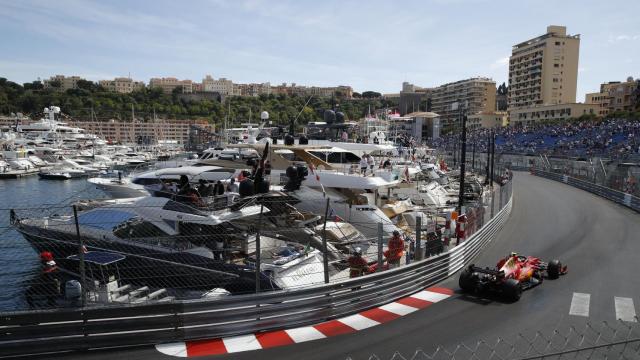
(474, 95)
(622, 95)
(601, 100)
(123, 85)
(222, 85)
(65, 82)
(530, 115)
(169, 84)
(251, 89)
(130, 132)
(487, 119)
(544, 70)
(293, 89)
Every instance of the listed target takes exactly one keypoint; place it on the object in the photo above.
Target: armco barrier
(619, 197)
(81, 329)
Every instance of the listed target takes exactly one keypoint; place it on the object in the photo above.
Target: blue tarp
(104, 219)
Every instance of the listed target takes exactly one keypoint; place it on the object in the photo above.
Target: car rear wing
(489, 271)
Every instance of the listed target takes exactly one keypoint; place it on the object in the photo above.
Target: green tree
(371, 95)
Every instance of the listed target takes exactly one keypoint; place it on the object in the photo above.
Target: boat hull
(147, 267)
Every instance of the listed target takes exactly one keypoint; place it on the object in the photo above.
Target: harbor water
(20, 262)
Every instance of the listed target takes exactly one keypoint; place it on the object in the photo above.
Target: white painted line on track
(580, 304)
(625, 310)
(306, 333)
(430, 296)
(358, 322)
(241, 343)
(398, 308)
(173, 349)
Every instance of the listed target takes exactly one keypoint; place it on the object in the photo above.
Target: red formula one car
(511, 276)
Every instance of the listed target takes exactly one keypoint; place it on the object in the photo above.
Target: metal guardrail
(59, 330)
(619, 197)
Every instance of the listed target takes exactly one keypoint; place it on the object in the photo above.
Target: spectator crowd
(613, 138)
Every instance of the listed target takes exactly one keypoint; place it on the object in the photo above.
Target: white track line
(580, 304)
(303, 334)
(398, 308)
(358, 322)
(430, 296)
(173, 349)
(241, 343)
(625, 310)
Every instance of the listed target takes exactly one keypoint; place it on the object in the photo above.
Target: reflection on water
(19, 261)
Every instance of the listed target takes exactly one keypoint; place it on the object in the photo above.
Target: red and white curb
(346, 325)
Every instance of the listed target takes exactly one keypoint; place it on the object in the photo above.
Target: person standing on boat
(364, 164)
(267, 168)
(204, 189)
(233, 186)
(372, 162)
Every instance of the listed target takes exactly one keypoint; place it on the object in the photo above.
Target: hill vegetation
(93, 101)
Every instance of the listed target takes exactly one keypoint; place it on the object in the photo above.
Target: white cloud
(623, 37)
(502, 62)
(583, 69)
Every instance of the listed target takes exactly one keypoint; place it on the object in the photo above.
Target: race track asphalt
(598, 240)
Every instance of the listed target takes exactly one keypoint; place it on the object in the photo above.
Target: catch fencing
(617, 340)
(67, 329)
(622, 198)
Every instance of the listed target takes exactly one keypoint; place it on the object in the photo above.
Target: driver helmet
(357, 251)
(513, 254)
(396, 233)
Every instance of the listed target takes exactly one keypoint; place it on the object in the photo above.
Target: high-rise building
(473, 95)
(544, 70)
(123, 85)
(414, 98)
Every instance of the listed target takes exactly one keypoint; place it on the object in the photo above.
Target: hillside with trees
(92, 101)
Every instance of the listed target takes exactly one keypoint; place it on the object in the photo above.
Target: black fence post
(418, 252)
(83, 282)
(258, 250)
(379, 247)
(325, 257)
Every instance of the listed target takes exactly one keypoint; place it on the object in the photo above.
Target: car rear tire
(511, 290)
(467, 282)
(554, 268)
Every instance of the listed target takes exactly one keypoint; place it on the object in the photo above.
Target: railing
(616, 196)
(59, 330)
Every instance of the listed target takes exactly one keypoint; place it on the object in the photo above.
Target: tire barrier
(50, 331)
(625, 199)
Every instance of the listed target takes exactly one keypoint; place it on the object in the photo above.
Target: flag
(334, 216)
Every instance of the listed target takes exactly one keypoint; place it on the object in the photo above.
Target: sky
(367, 44)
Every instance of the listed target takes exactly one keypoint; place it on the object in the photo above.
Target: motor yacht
(170, 244)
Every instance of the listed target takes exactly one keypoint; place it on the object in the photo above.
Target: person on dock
(395, 250)
(358, 266)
